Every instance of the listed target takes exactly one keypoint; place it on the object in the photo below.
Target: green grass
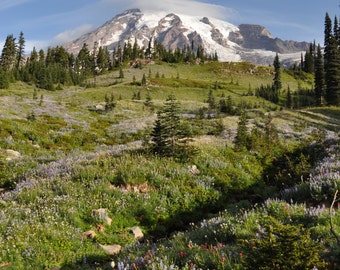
(75, 159)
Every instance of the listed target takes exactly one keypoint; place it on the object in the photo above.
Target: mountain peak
(246, 42)
(131, 11)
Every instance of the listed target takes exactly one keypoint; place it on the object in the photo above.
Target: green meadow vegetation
(244, 183)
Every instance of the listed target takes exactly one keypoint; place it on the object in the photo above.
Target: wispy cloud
(189, 7)
(71, 34)
(37, 44)
(95, 14)
(5, 4)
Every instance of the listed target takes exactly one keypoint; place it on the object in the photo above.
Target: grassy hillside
(63, 156)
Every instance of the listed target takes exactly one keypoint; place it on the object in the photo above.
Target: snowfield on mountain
(247, 42)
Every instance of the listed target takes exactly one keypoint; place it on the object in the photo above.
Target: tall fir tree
(277, 77)
(319, 76)
(331, 62)
(289, 99)
(242, 139)
(20, 50)
(277, 84)
(41, 56)
(143, 80)
(148, 51)
(168, 123)
(327, 40)
(84, 61)
(309, 60)
(336, 30)
(169, 138)
(102, 60)
(135, 50)
(332, 74)
(9, 54)
(211, 100)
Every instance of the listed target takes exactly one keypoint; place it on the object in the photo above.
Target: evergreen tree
(127, 51)
(110, 103)
(230, 105)
(332, 74)
(119, 54)
(215, 56)
(289, 99)
(277, 70)
(8, 58)
(121, 73)
(61, 57)
(309, 60)
(211, 100)
(277, 85)
(49, 60)
(336, 30)
(35, 94)
(148, 52)
(222, 105)
(4, 79)
(45, 79)
(143, 80)
(327, 41)
(148, 100)
(138, 95)
(84, 61)
(94, 55)
(20, 50)
(168, 136)
(41, 100)
(34, 57)
(271, 135)
(102, 60)
(135, 50)
(242, 139)
(200, 53)
(319, 77)
(331, 63)
(41, 56)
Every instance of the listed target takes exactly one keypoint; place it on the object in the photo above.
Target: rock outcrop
(252, 36)
(137, 232)
(10, 154)
(111, 249)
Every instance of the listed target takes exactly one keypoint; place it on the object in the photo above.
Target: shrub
(279, 246)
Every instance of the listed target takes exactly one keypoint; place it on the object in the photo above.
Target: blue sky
(52, 22)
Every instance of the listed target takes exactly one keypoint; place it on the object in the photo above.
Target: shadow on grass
(328, 118)
(286, 168)
(89, 263)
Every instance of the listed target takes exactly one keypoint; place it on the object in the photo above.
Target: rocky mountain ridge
(246, 42)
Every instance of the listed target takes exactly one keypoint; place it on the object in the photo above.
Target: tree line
(324, 63)
(157, 51)
(56, 67)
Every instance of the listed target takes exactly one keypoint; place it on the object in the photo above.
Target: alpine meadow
(150, 157)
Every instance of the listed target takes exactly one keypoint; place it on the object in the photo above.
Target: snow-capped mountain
(246, 42)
